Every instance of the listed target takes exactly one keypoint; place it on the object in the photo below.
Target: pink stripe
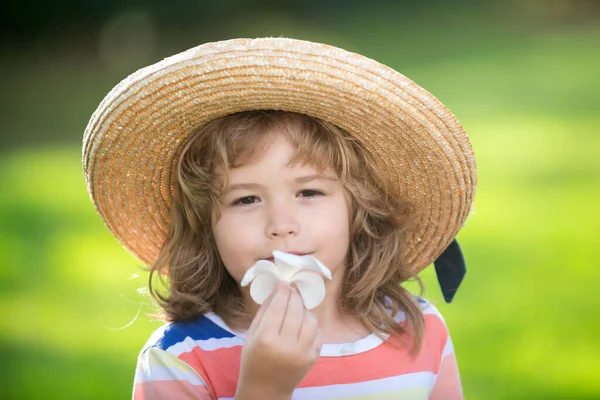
(160, 390)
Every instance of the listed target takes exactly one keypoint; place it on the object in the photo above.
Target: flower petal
(262, 286)
(300, 263)
(248, 277)
(324, 270)
(286, 264)
(311, 287)
(260, 267)
(292, 260)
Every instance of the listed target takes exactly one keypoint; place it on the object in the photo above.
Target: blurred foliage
(24, 21)
(521, 76)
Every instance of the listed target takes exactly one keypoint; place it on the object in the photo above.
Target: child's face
(268, 206)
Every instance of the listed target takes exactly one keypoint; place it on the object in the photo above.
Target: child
(205, 163)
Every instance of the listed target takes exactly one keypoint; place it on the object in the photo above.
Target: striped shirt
(200, 359)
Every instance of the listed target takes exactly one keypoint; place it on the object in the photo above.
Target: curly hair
(189, 269)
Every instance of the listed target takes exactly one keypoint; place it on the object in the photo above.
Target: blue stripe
(200, 328)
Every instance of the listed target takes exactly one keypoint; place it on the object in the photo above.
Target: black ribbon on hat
(450, 269)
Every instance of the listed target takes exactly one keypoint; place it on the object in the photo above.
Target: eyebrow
(315, 177)
(237, 186)
(302, 179)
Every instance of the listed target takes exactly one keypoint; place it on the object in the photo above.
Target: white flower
(304, 271)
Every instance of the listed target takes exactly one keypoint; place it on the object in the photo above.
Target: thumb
(262, 310)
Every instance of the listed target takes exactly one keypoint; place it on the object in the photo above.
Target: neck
(335, 325)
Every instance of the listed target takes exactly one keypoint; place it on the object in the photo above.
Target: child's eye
(310, 193)
(244, 201)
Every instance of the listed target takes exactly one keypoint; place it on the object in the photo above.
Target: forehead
(276, 156)
(278, 148)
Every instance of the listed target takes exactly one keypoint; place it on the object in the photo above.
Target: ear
(450, 269)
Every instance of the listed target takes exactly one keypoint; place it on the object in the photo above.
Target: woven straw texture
(133, 139)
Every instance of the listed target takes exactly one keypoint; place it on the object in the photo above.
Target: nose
(282, 221)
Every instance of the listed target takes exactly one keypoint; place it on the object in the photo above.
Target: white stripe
(406, 381)
(378, 386)
(160, 373)
(448, 348)
(221, 324)
(211, 344)
(429, 308)
(400, 317)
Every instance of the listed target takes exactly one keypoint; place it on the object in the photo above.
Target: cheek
(235, 229)
(341, 216)
(334, 226)
(234, 244)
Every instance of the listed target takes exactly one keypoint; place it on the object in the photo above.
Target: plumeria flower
(306, 272)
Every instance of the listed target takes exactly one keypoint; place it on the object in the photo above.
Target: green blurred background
(522, 76)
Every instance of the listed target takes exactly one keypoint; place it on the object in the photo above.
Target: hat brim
(133, 140)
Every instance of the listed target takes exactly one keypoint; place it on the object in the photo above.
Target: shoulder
(166, 366)
(430, 309)
(432, 315)
(435, 325)
(181, 336)
(437, 334)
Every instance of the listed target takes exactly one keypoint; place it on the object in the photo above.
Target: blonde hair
(197, 279)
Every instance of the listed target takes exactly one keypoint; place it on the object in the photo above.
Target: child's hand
(282, 345)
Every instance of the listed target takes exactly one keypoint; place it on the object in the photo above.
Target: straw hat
(134, 138)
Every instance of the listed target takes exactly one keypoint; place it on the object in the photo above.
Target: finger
(309, 329)
(294, 316)
(275, 311)
(256, 321)
(317, 344)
